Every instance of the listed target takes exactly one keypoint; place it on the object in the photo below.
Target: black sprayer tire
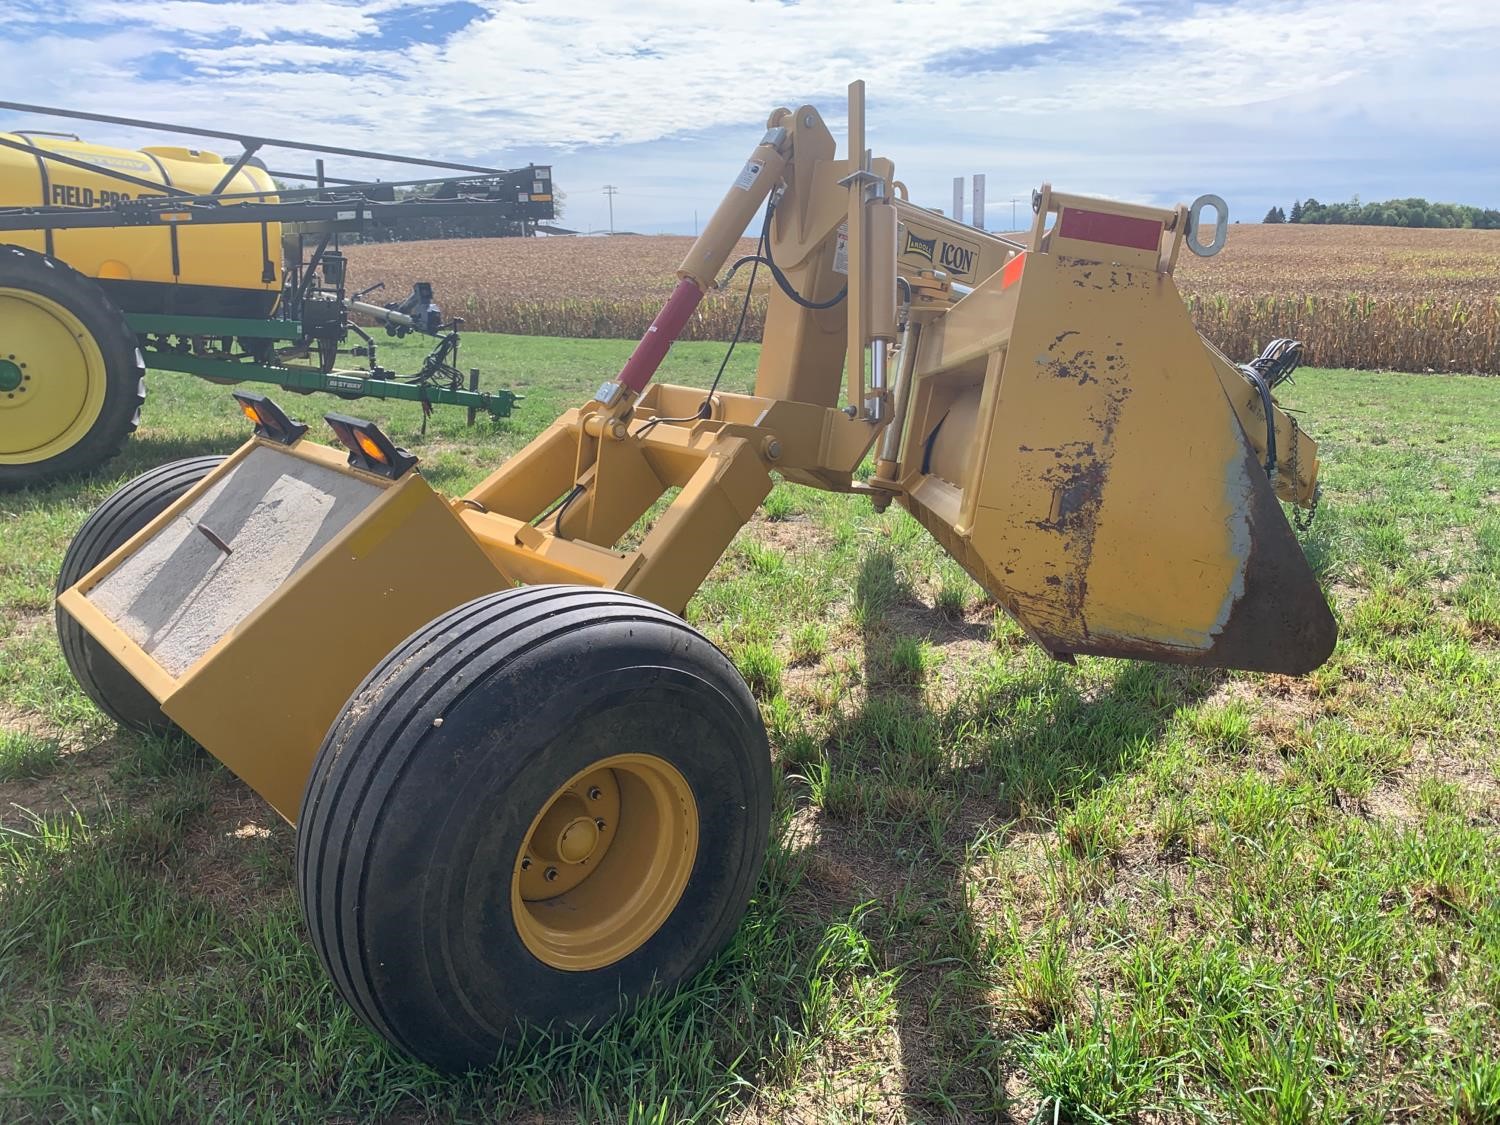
(131, 507)
(423, 819)
(64, 406)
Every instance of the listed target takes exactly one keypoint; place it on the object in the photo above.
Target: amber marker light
(369, 449)
(269, 419)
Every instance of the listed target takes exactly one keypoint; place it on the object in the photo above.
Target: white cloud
(260, 19)
(1123, 94)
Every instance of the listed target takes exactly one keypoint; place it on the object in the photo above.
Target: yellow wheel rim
(52, 378)
(605, 862)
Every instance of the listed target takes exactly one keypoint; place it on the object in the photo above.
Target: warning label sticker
(841, 249)
(748, 174)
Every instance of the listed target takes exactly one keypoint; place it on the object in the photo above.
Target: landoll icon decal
(954, 257)
(923, 247)
(958, 259)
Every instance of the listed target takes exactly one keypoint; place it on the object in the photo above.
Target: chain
(1302, 518)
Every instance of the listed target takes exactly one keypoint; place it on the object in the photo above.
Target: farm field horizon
(1375, 298)
(998, 885)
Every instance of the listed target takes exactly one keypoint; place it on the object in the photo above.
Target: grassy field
(1000, 887)
(1375, 298)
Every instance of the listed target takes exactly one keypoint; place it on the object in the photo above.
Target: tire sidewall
(506, 743)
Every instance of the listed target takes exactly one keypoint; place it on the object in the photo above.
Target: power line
(610, 190)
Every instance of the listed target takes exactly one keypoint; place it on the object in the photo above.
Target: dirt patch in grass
(20, 721)
(81, 786)
(1390, 804)
(238, 852)
(24, 622)
(794, 535)
(110, 991)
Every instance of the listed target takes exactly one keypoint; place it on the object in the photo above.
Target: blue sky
(1260, 101)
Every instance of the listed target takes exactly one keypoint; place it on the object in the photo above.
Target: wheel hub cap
(605, 862)
(568, 833)
(52, 378)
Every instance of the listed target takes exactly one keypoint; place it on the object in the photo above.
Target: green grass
(999, 887)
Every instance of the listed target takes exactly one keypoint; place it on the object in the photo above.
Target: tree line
(1389, 213)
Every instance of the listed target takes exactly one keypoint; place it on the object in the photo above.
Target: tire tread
(338, 809)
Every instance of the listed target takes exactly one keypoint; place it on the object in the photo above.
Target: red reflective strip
(1117, 230)
(1012, 271)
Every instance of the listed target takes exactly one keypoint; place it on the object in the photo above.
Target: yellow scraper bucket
(1074, 445)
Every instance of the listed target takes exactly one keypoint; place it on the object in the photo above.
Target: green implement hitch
(257, 361)
(349, 384)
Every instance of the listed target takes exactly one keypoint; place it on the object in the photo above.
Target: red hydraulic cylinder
(664, 330)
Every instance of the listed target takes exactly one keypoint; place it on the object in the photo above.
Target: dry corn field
(1365, 297)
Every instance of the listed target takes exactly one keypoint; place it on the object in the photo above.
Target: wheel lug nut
(550, 874)
(599, 823)
(526, 863)
(595, 793)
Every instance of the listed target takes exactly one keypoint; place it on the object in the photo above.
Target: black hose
(706, 407)
(1265, 402)
(781, 278)
(1274, 365)
(734, 269)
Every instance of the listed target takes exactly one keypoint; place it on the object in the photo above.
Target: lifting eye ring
(1195, 222)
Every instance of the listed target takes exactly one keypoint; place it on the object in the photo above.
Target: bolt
(525, 863)
(599, 823)
(550, 874)
(595, 793)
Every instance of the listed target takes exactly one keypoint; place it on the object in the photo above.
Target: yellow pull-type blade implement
(524, 788)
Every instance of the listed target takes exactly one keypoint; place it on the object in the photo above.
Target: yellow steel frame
(1048, 413)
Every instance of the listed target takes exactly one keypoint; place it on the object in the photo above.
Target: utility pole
(609, 190)
(958, 198)
(1013, 201)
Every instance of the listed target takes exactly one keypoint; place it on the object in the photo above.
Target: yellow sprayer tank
(225, 270)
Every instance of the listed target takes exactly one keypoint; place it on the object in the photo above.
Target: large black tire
(122, 373)
(130, 508)
(430, 783)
